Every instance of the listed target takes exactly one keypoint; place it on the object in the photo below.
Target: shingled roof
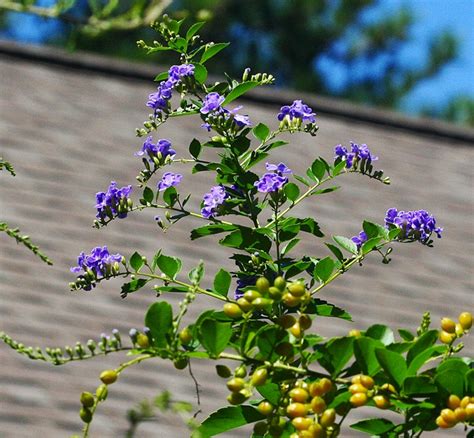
(67, 123)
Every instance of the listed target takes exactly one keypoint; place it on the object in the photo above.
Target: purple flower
(114, 202)
(280, 169)
(99, 262)
(360, 239)
(169, 179)
(272, 182)
(213, 200)
(416, 225)
(162, 146)
(358, 153)
(212, 103)
(297, 110)
(159, 99)
(240, 120)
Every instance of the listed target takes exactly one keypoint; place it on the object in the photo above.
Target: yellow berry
(108, 376)
(262, 285)
(143, 341)
(367, 381)
(357, 379)
(445, 337)
(460, 415)
(448, 325)
(470, 411)
(185, 336)
(301, 423)
(317, 431)
(316, 389)
(299, 395)
(465, 401)
(354, 333)
(328, 418)
(296, 331)
(358, 399)
(389, 387)
(296, 410)
(318, 405)
(453, 402)
(259, 377)
(245, 305)
(236, 384)
(290, 300)
(441, 423)
(326, 385)
(232, 310)
(297, 289)
(265, 408)
(459, 330)
(448, 416)
(356, 388)
(465, 319)
(381, 402)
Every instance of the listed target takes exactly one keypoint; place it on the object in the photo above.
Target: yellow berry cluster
(88, 400)
(363, 389)
(241, 388)
(450, 330)
(265, 294)
(457, 411)
(295, 326)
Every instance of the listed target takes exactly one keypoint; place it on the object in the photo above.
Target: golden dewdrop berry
(356, 388)
(143, 341)
(358, 399)
(465, 319)
(259, 377)
(381, 401)
(460, 415)
(453, 401)
(185, 336)
(355, 333)
(240, 371)
(86, 415)
(296, 331)
(299, 395)
(328, 418)
(232, 310)
(262, 285)
(442, 424)
(445, 337)
(367, 381)
(280, 283)
(265, 408)
(251, 295)
(297, 289)
(245, 305)
(325, 384)
(87, 399)
(296, 410)
(236, 384)
(108, 377)
(301, 423)
(318, 405)
(448, 325)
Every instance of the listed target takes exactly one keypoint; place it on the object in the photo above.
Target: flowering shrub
(288, 380)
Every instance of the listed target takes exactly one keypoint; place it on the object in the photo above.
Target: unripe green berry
(232, 310)
(108, 376)
(259, 377)
(240, 371)
(101, 392)
(251, 295)
(245, 305)
(223, 371)
(280, 283)
(262, 285)
(143, 341)
(181, 363)
(297, 289)
(86, 415)
(275, 293)
(87, 399)
(236, 384)
(185, 336)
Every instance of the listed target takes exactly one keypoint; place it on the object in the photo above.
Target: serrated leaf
(292, 191)
(261, 131)
(393, 364)
(215, 335)
(222, 282)
(212, 51)
(346, 243)
(239, 90)
(194, 29)
(170, 266)
(136, 261)
(159, 319)
(374, 427)
(228, 418)
(324, 268)
(200, 73)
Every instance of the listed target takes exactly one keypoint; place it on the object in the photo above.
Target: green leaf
(268, 337)
(148, 195)
(323, 308)
(261, 131)
(370, 245)
(133, 286)
(170, 196)
(470, 382)
(302, 180)
(200, 73)
(195, 148)
(418, 361)
(159, 319)
(194, 29)
(393, 364)
(336, 251)
(290, 246)
(371, 229)
(239, 90)
(271, 392)
(212, 50)
(136, 261)
(324, 268)
(170, 266)
(374, 427)
(364, 351)
(380, 332)
(215, 335)
(418, 386)
(346, 243)
(406, 335)
(292, 191)
(211, 229)
(227, 418)
(309, 225)
(222, 282)
(318, 169)
(425, 341)
(336, 354)
(450, 376)
(161, 77)
(246, 239)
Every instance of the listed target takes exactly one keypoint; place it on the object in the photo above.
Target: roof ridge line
(332, 106)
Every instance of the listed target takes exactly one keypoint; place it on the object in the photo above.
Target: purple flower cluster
(272, 182)
(213, 200)
(417, 224)
(159, 100)
(297, 110)
(100, 263)
(212, 106)
(360, 239)
(162, 147)
(114, 202)
(169, 179)
(358, 153)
